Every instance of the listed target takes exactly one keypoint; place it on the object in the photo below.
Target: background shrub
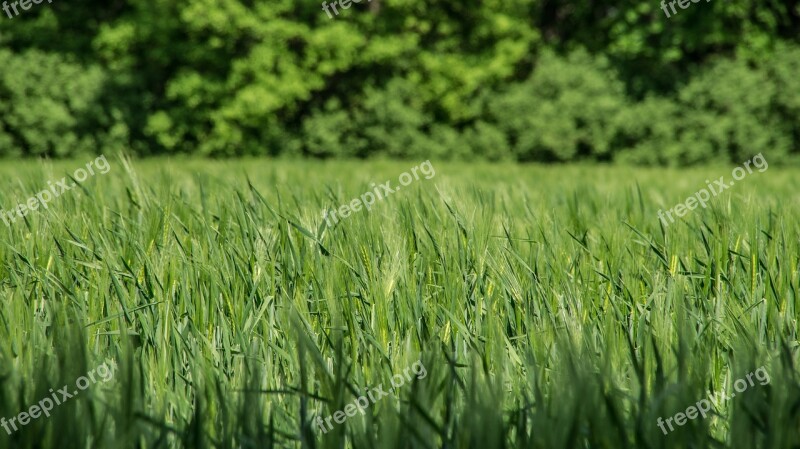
(53, 107)
(564, 111)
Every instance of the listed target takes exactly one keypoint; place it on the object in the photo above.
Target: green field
(548, 305)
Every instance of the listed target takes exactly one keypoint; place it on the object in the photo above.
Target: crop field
(172, 303)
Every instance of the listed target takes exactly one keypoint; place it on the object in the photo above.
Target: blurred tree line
(526, 80)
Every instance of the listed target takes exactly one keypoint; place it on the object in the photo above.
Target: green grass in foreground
(548, 306)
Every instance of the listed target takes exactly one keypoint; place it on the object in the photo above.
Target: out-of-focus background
(514, 80)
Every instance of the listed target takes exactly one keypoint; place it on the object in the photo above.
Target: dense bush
(729, 111)
(54, 107)
(528, 80)
(563, 112)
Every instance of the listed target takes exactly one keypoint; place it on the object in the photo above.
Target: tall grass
(548, 304)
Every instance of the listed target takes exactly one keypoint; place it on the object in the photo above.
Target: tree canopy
(527, 80)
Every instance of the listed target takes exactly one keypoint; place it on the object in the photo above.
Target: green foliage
(488, 142)
(328, 132)
(730, 111)
(54, 107)
(521, 79)
(563, 112)
(392, 120)
(648, 133)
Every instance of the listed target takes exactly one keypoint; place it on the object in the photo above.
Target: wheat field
(549, 306)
